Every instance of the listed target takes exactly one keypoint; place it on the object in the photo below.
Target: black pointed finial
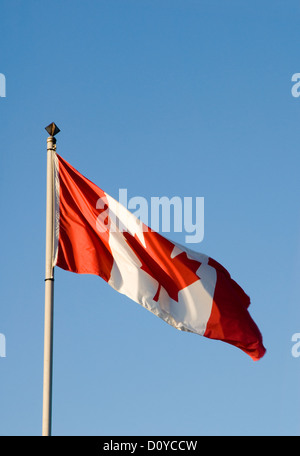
(52, 129)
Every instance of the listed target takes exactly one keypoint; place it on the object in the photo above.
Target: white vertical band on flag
(192, 310)
(56, 207)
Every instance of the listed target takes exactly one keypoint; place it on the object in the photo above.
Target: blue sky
(182, 97)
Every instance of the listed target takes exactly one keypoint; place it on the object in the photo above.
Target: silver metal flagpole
(52, 129)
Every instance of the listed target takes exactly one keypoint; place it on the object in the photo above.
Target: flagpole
(49, 284)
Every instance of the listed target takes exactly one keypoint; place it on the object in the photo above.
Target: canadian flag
(95, 234)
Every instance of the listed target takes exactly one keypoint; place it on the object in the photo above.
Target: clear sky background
(164, 98)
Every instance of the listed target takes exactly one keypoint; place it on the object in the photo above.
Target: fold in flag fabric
(95, 234)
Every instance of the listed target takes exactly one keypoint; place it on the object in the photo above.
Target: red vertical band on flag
(230, 320)
(81, 248)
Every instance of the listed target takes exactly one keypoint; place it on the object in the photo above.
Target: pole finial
(52, 129)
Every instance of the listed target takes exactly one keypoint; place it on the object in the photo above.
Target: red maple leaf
(173, 274)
